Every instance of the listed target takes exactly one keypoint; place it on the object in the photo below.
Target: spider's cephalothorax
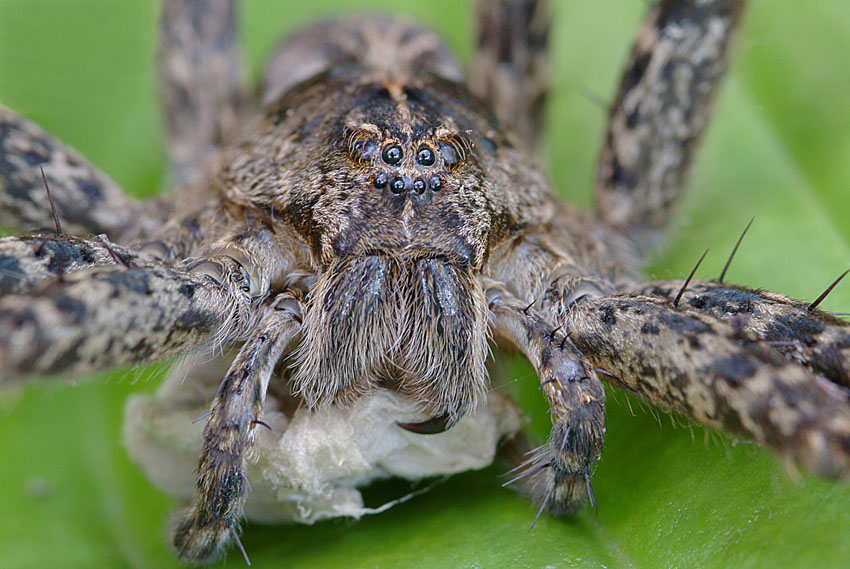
(384, 224)
(399, 183)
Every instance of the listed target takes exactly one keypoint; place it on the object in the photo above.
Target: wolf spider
(553, 282)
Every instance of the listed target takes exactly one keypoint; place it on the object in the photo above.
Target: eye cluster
(392, 154)
(430, 161)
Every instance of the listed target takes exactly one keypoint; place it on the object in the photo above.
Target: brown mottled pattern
(510, 71)
(558, 474)
(296, 165)
(201, 81)
(72, 326)
(813, 338)
(202, 529)
(662, 107)
(30, 260)
(376, 221)
(86, 199)
(719, 373)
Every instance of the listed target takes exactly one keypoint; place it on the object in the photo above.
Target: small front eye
(398, 186)
(380, 180)
(392, 154)
(425, 156)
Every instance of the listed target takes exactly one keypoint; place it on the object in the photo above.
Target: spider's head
(406, 165)
(361, 163)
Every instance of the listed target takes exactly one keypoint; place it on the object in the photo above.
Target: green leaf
(671, 494)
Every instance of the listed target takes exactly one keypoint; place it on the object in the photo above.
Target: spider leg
(122, 314)
(662, 108)
(807, 336)
(112, 316)
(87, 201)
(203, 529)
(510, 67)
(201, 81)
(31, 260)
(388, 45)
(721, 371)
(556, 475)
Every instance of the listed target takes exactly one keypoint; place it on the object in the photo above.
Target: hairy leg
(115, 315)
(87, 201)
(30, 260)
(662, 108)
(510, 70)
(203, 529)
(201, 81)
(537, 280)
(721, 368)
(557, 476)
(807, 336)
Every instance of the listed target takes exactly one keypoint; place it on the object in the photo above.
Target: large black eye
(425, 156)
(392, 154)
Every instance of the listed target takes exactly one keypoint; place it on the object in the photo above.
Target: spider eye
(380, 180)
(392, 154)
(425, 156)
(453, 152)
(361, 146)
(436, 183)
(398, 186)
(362, 149)
(419, 186)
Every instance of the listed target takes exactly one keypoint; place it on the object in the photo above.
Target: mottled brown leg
(31, 260)
(203, 529)
(510, 67)
(114, 316)
(662, 108)
(810, 337)
(723, 373)
(201, 81)
(87, 201)
(557, 476)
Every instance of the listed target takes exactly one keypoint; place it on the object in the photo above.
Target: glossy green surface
(670, 496)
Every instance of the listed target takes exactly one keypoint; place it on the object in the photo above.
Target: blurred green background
(671, 494)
